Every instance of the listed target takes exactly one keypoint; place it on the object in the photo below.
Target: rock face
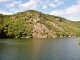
(56, 26)
(41, 31)
(34, 24)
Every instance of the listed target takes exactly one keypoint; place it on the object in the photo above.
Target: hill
(34, 24)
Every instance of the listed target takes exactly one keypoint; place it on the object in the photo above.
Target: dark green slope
(34, 24)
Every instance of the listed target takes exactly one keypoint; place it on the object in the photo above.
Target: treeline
(20, 25)
(10, 28)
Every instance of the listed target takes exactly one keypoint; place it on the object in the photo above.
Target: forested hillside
(34, 24)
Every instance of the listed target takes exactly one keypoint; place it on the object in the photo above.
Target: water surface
(40, 49)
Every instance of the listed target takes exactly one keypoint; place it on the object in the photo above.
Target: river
(40, 49)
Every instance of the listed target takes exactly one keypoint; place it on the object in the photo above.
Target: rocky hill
(34, 24)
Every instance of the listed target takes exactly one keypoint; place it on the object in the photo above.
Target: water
(40, 49)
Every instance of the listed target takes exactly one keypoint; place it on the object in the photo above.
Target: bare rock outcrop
(41, 31)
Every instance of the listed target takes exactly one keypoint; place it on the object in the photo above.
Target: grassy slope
(21, 25)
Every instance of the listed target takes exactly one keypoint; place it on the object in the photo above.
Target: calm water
(40, 49)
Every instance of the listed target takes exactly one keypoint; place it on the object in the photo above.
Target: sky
(69, 9)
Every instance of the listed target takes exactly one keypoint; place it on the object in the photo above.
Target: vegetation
(21, 25)
(79, 41)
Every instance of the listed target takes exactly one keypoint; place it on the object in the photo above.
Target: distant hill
(34, 24)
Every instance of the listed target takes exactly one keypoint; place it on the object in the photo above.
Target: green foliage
(20, 25)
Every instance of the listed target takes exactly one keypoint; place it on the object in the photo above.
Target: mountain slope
(34, 24)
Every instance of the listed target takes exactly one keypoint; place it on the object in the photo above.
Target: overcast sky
(69, 9)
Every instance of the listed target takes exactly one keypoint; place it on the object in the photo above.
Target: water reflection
(39, 49)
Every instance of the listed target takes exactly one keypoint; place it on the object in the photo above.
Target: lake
(40, 49)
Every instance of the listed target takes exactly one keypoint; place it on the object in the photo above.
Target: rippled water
(40, 49)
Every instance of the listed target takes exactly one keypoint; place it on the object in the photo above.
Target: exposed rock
(41, 31)
(56, 26)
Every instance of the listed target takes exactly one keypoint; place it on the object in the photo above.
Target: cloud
(32, 4)
(56, 0)
(12, 4)
(57, 12)
(15, 6)
(5, 13)
(44, 6)
(1, 1)
(55, 3)
(52, 5)
(72, 11)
